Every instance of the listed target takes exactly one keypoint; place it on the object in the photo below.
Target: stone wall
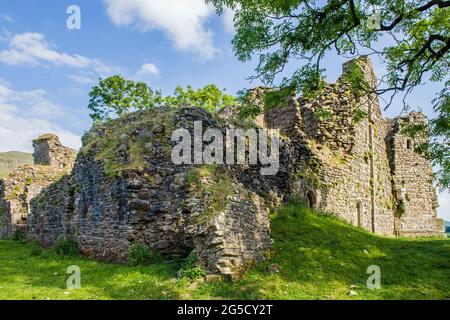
(287, 118)
(51, 162)
(328, 119)
(124, 189)
(16, 192)
(358, 160)
(413, 187)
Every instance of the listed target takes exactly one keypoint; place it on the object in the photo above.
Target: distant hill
(13, 159)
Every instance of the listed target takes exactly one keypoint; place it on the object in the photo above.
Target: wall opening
(359, 214)
(409, 144)
(311, 199)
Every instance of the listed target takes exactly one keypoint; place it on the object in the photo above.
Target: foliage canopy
(411, 38)
(116, 96)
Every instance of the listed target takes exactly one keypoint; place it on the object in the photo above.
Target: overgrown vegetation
(115, 96)
(354, 75)
(253, 103)
(249, 107)
(35, 248)
(142, 255)
(190, 270)
(410, 38)
(359, 115)
(320, 257)
(20, 236)
(214, 186)
(400, 207)
(322, 114)
(122, 133)
(2, 213)
(66, 245)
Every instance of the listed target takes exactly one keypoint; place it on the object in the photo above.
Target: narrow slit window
(409, 144)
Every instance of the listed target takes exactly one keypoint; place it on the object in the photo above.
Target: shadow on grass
(322, 257)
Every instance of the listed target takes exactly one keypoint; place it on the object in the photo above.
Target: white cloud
(27, 114)
(228, 19)
(183, 22)
(32, 48)
(147, 70)
(444, 205)
(83, 79)
(6, 18)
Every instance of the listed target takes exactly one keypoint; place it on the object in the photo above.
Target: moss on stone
(47, 136)
(214, 187)
(322, 113)
(17, 190)
(121, 135)
(401, 209)
(355, 77)
(310, 177)
(359, 115)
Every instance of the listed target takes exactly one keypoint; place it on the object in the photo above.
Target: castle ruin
(123, 187)
(48, 151)
(366, 170)
(51, 161)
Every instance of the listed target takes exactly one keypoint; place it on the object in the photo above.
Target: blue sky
(47, 70)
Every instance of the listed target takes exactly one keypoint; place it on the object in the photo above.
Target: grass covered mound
(320, 258)
(11, 160)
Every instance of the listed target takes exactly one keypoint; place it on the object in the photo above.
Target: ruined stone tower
(363, 168)
(49, 151)
(412, 181)
(51, 161)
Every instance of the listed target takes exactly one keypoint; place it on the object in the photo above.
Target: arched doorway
(311, 199)
(359, 214)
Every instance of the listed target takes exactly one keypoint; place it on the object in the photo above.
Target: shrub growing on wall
(142, 255)
(19, 235)
(66, 246)
(35, 248)
(190, 270)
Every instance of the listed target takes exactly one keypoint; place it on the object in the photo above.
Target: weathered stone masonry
(51, 162)
(366, 170)
(123, 188)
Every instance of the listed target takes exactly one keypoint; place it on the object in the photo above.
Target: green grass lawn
(320, 258)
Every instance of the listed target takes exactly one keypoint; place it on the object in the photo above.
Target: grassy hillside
(320, 258)
(11, 160)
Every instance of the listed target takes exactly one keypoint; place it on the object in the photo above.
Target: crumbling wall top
(366, 66)
(49, 151)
